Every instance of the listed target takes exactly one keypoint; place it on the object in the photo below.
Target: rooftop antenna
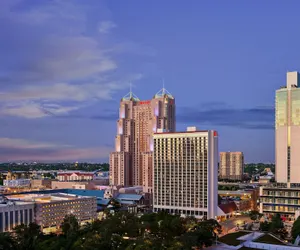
(130, 95)
(130, 90)
(163, 91)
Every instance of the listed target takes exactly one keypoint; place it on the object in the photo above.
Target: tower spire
(130, 90)
(163, 91)
(130, 96)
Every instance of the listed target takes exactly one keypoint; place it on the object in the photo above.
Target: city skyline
(60, 90)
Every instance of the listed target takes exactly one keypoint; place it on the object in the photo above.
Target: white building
(186, 173)
(15, 213)
(17, 183)
(284, 198)
(288, 131)
(75, 176)
(50, 209)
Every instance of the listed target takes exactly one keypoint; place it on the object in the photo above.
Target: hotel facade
(131, 163)
(185, 173)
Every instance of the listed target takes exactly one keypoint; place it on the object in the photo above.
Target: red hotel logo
(144, 102)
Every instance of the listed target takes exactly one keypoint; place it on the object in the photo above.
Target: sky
(65, 65)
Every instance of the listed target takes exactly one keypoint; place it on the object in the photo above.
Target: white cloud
(106, 26)
(68, 92)
(59, 62)
(37, 101)
(16, 149)
(36, 110)
(17, 143)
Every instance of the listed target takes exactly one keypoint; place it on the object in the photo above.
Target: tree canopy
(296, 228)
(122, 230)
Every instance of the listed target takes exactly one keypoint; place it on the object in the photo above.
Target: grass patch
(268, 239)
(231, 239)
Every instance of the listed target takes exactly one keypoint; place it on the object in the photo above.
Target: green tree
(27, 236)
(265, 226)
(276, 223)
(296, 228)
(7, 242)
(203, 235)
(70, 225)
(70, 229)
(255, 215)
(115, 203)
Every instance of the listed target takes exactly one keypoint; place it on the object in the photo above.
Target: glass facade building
(284, 198)
(287, 126)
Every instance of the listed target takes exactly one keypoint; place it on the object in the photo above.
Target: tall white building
(288, 131)
(185, 173)
(284, 198)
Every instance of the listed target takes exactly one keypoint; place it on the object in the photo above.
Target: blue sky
(64, 66)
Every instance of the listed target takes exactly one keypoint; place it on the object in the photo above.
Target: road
(231, 223)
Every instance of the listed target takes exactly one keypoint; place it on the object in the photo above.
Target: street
(231, 223)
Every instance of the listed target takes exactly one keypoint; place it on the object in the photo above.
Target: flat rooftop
(44, 198)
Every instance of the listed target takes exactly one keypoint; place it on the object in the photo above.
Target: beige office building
(231, 165)
(288, 131)
(131, 163)
(50, 209)
(186, 173)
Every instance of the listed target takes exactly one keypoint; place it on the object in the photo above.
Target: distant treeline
(54, 166)
(258, 168)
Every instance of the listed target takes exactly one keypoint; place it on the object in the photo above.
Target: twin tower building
(132, 162)
(179, 169)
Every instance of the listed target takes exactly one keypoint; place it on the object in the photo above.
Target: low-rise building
(280, 200)
(75, 176)
(244, 199)
(50, 209)
(14, 175)
(131, 199)
(14, 213)
(40, 183)
(17, 183)
(69, 184)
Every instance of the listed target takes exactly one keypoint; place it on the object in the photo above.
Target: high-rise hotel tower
(284, 199)
(288, 131)
(186, 173)
(131, 163)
